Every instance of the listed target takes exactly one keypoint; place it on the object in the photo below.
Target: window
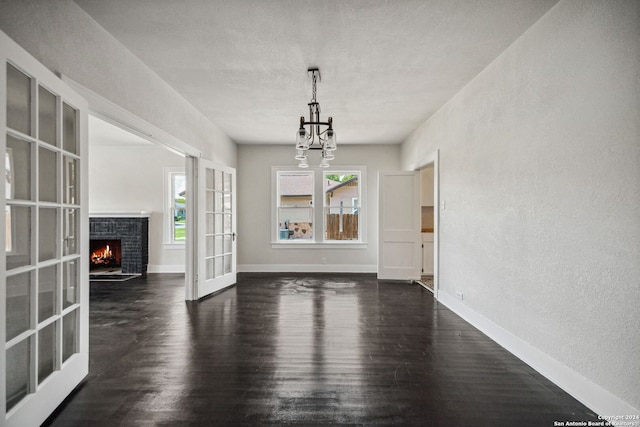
(175, 206)
(339, 217)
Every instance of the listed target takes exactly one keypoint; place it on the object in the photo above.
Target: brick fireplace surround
(132, 229)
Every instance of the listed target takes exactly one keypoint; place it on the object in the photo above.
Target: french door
(399, 252)
(216, 236)
(43, 239)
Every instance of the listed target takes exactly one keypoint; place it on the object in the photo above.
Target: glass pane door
(217, 213)
(43, 315)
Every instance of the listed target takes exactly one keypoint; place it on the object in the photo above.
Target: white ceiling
(386, 65)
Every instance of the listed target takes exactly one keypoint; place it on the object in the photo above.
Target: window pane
(69, 335)
(69, 129)
(47, 234)
(226, 179)
(210, 227)
(296, 189)
(18, 220)
(218, 180)
(18, 361)
(70, 284)
(219, 245)
(227, 244)
(69, 232)
(218, 207)
(18, 100)
(46, 351)
(70, 175)
(219, 223)
(47, 166)
(179, 194)
(219, 267)
(46, 116)
(47, 292)
(209, 182)
(340, 225)
(18, 304)
(210, 271)
(227, 264)
(18, 166)
(209, 206)
(227, 224)
(342, 195)
(295, 223)
(210, 246)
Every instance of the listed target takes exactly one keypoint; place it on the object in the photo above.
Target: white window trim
(318, 212)
(167, 215)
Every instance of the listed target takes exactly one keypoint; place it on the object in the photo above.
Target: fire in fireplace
(105, 254)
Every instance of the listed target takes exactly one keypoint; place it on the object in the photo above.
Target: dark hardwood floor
(299, 349)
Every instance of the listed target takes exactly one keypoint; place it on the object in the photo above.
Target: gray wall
(540, 171)
(64, 38)
(254, 208)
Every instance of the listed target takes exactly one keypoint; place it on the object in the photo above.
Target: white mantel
(121, 214)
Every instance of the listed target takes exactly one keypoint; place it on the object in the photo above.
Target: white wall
(126, 179)
(540, 171)
(64, 38)
(254, 209)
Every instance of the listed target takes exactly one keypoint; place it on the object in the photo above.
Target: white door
(44, 277)
(399, 246)
(216, 234)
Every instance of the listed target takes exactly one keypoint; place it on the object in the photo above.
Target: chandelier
(320, 135)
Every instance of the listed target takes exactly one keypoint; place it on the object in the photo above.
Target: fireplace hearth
(119, 243)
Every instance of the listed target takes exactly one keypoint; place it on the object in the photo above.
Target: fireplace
(127, 238)
(105, 255)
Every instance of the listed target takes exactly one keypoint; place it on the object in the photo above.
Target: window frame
(318, 241)
(169, 240)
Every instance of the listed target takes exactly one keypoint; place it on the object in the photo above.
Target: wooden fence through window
(349, 227)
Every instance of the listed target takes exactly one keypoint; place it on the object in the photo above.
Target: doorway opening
(133, 206)
(428, 169)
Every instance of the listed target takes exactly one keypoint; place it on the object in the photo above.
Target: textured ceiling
(386, 65)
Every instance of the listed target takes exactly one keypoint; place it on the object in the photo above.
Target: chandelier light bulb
(303, 163)
(302, 143)
(301, 155)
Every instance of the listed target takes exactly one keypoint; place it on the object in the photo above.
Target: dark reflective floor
(299, 349)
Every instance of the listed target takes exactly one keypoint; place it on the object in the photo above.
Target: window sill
(173, 246)
(318, 245)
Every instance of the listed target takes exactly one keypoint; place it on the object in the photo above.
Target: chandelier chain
(314, 79)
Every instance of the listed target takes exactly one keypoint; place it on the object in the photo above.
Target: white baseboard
(582, 389)
(165, 268)
(306, 268)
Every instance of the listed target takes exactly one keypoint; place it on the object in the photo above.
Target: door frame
(433, 159)
(106, 110)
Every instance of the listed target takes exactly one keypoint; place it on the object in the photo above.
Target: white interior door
(44, 277)
(216, 235)
(399, 245)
